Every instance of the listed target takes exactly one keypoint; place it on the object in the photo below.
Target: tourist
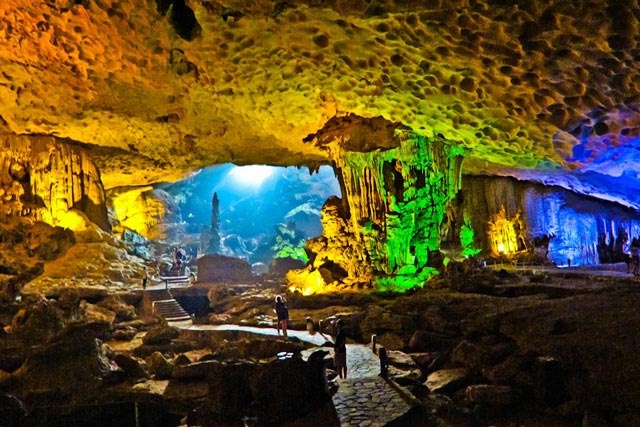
(635, 259)
(145, 277)
(340, 350)
(283, 315)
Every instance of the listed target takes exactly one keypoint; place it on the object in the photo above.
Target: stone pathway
(364, 399)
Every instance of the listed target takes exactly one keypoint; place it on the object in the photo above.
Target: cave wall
(584, 230)
(43, 178)
(150, 212)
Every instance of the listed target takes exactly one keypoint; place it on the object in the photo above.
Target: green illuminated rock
(383, 231)
(397, 200)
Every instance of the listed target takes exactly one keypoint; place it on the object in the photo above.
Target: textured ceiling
(547, 91)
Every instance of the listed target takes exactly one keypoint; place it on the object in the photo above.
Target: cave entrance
(262, 212)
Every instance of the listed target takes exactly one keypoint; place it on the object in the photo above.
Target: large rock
(279, 267)
(131, 366)
(161, 335)
(72, 369)
(425, 341)
(159, 366)
(447, 380)
(498, 395)
(123, 311)
(219, 268)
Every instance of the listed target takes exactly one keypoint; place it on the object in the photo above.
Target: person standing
(283, 315)
(340, 350)
(145, 277)
(635, 255)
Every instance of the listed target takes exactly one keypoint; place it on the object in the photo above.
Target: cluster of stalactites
(43, 179)
(397, 200)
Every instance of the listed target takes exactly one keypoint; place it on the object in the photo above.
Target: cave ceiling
(545, 91)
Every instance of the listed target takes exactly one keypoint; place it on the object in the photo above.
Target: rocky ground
(494, 348)
(475, 347)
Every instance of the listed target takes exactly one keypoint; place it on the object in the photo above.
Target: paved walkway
(364, 399)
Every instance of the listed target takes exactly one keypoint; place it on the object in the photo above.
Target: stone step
(158, 294)
(170, 310)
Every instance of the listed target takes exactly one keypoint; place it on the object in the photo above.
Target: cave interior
(457, 178)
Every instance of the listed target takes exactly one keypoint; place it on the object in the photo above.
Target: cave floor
(362, 399)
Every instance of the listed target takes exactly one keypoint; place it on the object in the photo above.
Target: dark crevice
(183, 19)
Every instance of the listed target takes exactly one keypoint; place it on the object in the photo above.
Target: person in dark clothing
(283, 315)
(635, 258)
(340, 350)
(145, 277)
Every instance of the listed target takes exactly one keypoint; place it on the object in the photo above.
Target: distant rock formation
(524, 220)
(211, 237)
(219, 268)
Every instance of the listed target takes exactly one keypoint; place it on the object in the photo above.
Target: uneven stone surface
(447, 380)
(216, 268)
(536, 90)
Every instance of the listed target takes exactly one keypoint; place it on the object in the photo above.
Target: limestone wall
(578, 228)
(42, 178)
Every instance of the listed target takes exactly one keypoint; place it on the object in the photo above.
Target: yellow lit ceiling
(156, 89)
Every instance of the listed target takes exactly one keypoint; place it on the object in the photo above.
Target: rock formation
(544, 223)
(394, 201)
(45, 179)
(539, 91)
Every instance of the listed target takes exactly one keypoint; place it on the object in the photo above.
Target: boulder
(124, 334)
(73, 368)
(236, 386)
(124, 312)
(428, 362)
(192, 371)
(159, 366)
(506, 371)
(494, 395)
(423, 341)
(223, 269)
(95, 313)
(131, 366)
(162, 334)
(182, 360)
(266, 348)
(390, 340)
(400, 360)
(279, 267)
(405, 376)
(471, 355)
(447, 380)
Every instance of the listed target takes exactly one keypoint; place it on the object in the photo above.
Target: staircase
(162, 303)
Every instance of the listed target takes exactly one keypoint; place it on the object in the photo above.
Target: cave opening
(261, 212)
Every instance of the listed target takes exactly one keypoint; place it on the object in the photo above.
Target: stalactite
(43, 178)
(396, 200)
